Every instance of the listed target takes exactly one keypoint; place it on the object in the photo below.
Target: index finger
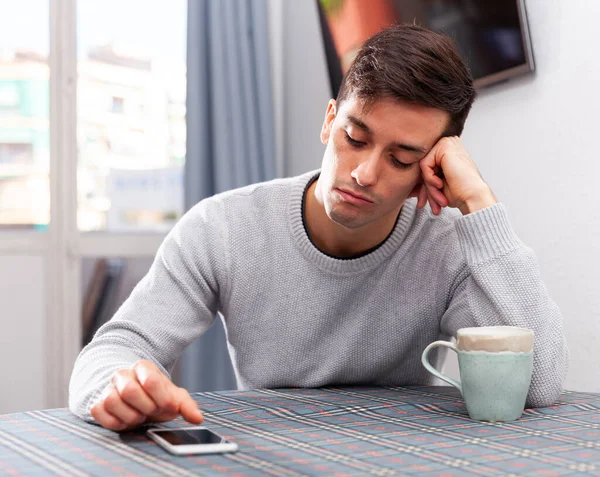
(158, 386)
(188, 408)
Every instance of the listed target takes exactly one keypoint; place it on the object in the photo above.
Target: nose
(367, 172)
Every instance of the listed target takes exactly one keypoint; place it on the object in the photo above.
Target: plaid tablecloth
(330, 431)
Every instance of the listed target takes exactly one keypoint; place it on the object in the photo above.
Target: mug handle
(435, 372)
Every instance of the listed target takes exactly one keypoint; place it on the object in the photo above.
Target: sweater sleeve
(171, 306)
(501, 285)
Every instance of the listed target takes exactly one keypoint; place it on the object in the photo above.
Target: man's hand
(140, 394)
(451, 179)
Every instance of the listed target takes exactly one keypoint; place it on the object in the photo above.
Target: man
(338, 276)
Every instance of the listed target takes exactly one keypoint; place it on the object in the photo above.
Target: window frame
(62, 245)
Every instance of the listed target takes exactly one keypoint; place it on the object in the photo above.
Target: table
(337, 431)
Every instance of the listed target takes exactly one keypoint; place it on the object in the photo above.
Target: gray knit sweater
(296, 317)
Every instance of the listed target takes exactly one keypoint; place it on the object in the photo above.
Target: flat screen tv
(492, 36)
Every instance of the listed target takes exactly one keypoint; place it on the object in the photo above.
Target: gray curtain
(230, 136)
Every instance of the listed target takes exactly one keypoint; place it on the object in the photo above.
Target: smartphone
(191, 440)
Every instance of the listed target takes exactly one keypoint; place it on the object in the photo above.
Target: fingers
(106, 419)
(433, 181)
(132, 393)
(430, 177)
(430, 169)
(433, 195)
(143, 393)
(437, 195)
(157, 386)
(435, 207)
(116, 407)
(434, 184)
(422, 200)
(139, 394)
(188, 408)
(451, 177)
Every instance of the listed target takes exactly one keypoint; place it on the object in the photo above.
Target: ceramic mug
(495, 365)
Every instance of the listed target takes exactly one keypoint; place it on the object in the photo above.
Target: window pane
(131, 114)
(24, 113)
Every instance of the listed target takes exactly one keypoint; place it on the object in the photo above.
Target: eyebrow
(407, 147)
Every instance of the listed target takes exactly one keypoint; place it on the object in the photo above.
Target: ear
(328, 121)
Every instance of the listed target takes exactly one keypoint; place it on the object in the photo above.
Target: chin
(350, 221)
(342, 214)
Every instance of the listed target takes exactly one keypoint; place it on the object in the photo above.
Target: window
(96, 167)
(24, 115)
(131, 94)
(117, 105)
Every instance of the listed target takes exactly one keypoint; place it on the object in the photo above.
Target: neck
(335, 239)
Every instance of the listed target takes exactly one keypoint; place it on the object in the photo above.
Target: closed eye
(354, 142)
(399, 164)
(358, 144)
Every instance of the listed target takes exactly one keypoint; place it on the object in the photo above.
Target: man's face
(371, 163)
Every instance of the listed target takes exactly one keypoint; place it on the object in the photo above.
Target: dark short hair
(416, 65)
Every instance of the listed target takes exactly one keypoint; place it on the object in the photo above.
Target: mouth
(353, 197)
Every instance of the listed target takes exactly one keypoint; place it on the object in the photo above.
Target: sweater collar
(342, 265)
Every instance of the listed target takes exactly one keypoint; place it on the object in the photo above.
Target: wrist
(478, 202)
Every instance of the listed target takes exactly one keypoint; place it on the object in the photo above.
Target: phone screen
(182, 437)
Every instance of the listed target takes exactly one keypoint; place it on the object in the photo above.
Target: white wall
(22, 340)
(536, 143)
(535, 140)
(306, 88)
